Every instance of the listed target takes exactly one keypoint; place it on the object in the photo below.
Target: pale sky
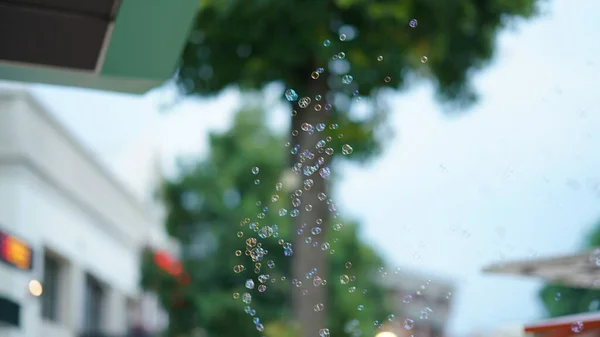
(517, 176)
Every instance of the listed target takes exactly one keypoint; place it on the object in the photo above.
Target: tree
(210, 210)
(254, 43)
(559, 300)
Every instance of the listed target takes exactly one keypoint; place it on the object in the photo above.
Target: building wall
(58, 199)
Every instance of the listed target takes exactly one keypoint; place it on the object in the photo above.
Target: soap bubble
(424, 59)
(347, 79)
(347, 149)
(577, 326)
(291, 95)
(304, 102)
(326, 43)
(413, 23)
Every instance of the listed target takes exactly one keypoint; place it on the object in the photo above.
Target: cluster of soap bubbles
(253, 244)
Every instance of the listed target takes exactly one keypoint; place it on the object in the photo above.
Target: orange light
(15, 251)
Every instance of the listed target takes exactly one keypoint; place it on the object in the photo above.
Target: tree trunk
(307, 256)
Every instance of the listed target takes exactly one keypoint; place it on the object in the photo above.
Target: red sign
(15, 251)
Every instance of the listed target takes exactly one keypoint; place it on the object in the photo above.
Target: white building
(85, 230)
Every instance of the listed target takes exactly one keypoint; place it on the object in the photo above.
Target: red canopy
(166, 262)
(566, 326)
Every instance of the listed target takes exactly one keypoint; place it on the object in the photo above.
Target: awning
(580, 270)
(165, 261)
(566, 326)
(127, 46)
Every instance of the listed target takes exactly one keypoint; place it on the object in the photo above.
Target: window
(94, 301)
(51, 282)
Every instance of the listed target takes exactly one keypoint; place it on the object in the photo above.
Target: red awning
(566, 326)
(166, 262)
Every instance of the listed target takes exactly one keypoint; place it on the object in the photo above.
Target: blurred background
(466, 136)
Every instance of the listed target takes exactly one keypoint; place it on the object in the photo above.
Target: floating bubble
(352, 289)
(326, 43)
(391, 317)
(348, 265)
(577, 326)
(325, 246)
(318, 107)
(291, 95)
(380, 58)
(247, 298)
(325, 172)
(360, 307)
(407, 299)
(408, 324)
(249, 284)
(304, 102)
(262, 288)
(320, 70)
(236, 295)
(347, 79)
(318, 307)
(288, 252)
(387, 79)
(251, 242)
(344, 279)
(347, 149)
(413, 23)
(342, 37)
(341, 55)
(324, 333)
(337, 227)
(239, 268)
(257, 181)
(424, 59)
(318, 97)
(314, 75)
(327, 106)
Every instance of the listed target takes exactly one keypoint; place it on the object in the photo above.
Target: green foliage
(560, 300)
(253, 43)
(206, 206)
